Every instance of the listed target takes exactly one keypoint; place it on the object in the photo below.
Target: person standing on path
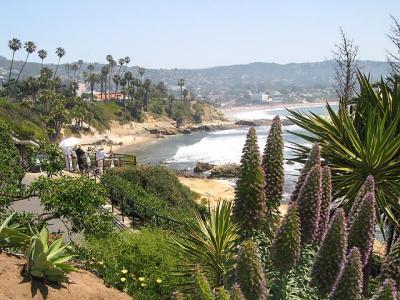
(81, 158)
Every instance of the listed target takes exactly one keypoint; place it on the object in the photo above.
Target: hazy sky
(195, 34)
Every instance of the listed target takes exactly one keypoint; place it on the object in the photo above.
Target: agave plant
(360, 140)
(210, 244)
(11, 235)
(48, 262)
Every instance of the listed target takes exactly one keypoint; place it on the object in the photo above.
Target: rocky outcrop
(229, 170)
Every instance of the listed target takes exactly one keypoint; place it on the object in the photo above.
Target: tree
(346, 68)
(116, 80)
(181, 84)
(394, 57)
(331, 255)
(250, 272)
(249, 205)
(42, 55)
(14, 44)
(29, 47)
(60, 53)
(92, 79)
(141, 72)
(185, 94)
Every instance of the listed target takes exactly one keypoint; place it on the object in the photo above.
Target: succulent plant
(285, 249)
(314, 158)
(249, 206)
(250, 272)
(202, 289)
(330, 256)
(387, 291)
(367, 187)
(309, 202)
(236, 293)
(326, 199)
(349, 284)
(48, 262)
(272, 163)
(11, 235)
(391, 264)
(362, 227)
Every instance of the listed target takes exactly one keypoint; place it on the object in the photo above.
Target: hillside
(225, 83)
(83, 285)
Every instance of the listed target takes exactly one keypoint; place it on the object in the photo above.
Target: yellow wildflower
(123, 279)
(124, 271)
(158, 280)
(143, 284)
(141, 279)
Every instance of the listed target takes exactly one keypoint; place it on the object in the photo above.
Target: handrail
(148, 214)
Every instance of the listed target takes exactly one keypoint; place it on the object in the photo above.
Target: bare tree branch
(393, 58)
(345, 55)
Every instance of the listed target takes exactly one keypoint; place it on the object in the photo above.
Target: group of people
(79, 160)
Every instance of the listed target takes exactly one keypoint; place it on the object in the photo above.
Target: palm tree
(90, 67)
(60, 53)
(14, 45)
(103, 79)
(29, 47)
(141, 72)
(181, 84)
(121, 62)
(127, 61)
(116, 80)
(92, 79)
(42, 55)
(67, 66)
(185, 94)
(75, 69)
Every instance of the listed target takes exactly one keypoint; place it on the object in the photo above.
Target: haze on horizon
(188, 34)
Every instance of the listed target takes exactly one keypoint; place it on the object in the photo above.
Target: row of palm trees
(30, 47)
(115, 72)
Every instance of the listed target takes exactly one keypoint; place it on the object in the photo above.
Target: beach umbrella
(70, 142)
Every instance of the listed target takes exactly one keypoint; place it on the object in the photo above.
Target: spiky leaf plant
(391, 264)
(249, 206)
(202, 289)
(387, 291)
(211, 244)
(367, 187)
(285, 249)
(309, 202)
(250, 272)
(331, 255)
(326, 199)
(11, 235)
(362, 227)
(222, 294)
(272, 163)
(314, 158)
(361, 142)
(48, 262)
(349, 285)
(236, 293)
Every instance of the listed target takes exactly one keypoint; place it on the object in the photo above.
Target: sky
(197, 34)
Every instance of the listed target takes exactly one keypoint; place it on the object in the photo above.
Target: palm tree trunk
(23, 66)
(55, 72)
(12, 61)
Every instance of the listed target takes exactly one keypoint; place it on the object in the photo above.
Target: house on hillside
(108, 96)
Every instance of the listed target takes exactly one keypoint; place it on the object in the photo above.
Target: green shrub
(138, 263)
(11, 235)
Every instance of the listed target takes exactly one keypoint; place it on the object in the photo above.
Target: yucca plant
(48, 262)
(358, 141)
(11, 235)
(210, 244)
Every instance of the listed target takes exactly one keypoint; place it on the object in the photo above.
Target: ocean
(224, 146)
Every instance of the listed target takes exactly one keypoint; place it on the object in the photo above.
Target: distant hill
(235, 80)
